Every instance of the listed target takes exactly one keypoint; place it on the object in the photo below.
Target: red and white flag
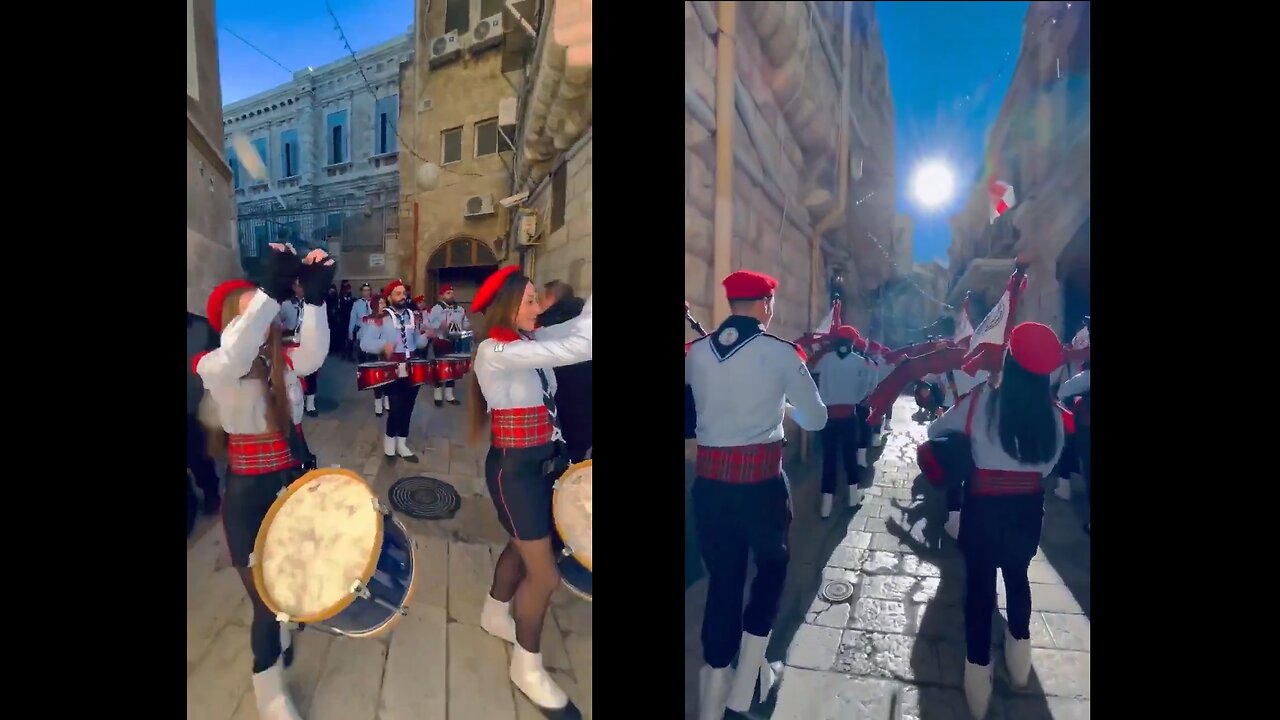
(1081, 340)
(964, 328)
(824, 326)
(986, 348)
(1002, 198)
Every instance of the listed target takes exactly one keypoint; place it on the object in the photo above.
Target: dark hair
(559, 289)
(1028, 426)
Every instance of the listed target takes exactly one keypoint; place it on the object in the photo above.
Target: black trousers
(840, 438)
(198, 460)
(998, 532)
(1068, 462)
(404, 395)
(732, 520)
(862, 413)
(313, 383)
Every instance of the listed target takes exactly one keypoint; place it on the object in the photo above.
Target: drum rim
(376, 363)
(387, 626)
(555, 493)
(259, 542)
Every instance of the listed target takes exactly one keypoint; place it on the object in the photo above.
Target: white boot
(311, 403)
(378, 406)
(1017, 655)
(977, 688)
(875, 438)
(286, 643)
(855, 496)
(386, 402)
(273, 699)
(751, 665)
(449, 398)
(402, 449)
(532, 679)
(1063, 491)
(952, 525)
(438, 395)
(496, 619)
(713, 692)
(389, 446)
(862, 457)
(825, 511)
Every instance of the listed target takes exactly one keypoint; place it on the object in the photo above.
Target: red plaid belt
(259, 454)
(1004, 482)
(743, 464)
(839, 412)
(521, 427)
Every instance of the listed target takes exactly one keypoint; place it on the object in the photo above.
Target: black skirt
(245, 504)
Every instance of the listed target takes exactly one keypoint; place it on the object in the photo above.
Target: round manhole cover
(425, 498)
(837, 591)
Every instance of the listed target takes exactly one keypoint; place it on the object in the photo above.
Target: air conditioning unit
(478, 206)
(487, 33)
(444, 48)
(425, 105)
(507, 108)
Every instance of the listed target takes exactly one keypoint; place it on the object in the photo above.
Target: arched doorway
(463, 262)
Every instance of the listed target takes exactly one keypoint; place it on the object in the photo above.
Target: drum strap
(298, 448)
(549, 401)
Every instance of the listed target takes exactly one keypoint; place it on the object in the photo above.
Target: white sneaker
(532, 679)
(389, 446)
(855, 496)
(386, 402)
(1063, 491)
(862, 457)
(713, 692)
(496, 619)
(875, 439)
(310, 403)
(377, 406)
(448, 396)
(271, 695)
(751, 665)
(952, 525)
(1017, 656)
(827, 499)
(402, 449)
(977, 688)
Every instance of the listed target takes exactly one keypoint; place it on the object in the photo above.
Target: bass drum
(571, 507)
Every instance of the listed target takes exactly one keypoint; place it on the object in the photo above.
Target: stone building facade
(1039, 144)
(331, 149)
(798, 207)
(211, 251)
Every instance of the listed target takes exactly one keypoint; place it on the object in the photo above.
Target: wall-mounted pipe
(723, 221)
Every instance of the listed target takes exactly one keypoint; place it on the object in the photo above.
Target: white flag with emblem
(824, 327)
(991, 330)
(964, 328)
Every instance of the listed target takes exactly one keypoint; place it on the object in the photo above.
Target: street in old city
(894, 650)
(437, 664)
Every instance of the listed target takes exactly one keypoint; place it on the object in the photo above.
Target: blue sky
(949, 66)
(297, 33)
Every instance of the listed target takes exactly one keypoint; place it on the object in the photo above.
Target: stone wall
(565, 253)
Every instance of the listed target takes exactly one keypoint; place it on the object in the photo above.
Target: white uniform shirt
(446, 319)
(1077, 385)
(743, 399)
(988, 454)
(242, 403)
(844, 381)
(508, 371)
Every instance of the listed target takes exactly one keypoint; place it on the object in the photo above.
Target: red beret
(848, 332)
(386, 291)
(1036, 348)
(446, 288)
(490, 287)
(213, 308)
(420, 299)
(749, 285)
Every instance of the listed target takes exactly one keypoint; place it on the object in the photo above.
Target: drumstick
(688, 316)
(253, 163)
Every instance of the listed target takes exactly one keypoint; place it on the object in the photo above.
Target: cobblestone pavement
(895, 650)
(437, 663)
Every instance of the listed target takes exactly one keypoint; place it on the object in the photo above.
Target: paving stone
(470, 576)
(873, 615)
(479, 682)
(351, 684)
(415, 684)
(814, 647)
(810, 695)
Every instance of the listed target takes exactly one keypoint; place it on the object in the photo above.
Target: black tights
(526, 576)
(264, 631)
(980, 603)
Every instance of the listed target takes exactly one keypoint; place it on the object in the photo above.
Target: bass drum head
(576, 578)
(571, 510)
(320, 536)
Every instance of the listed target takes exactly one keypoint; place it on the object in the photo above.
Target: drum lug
(283, 617)
(566, 551)
(358, 589)
(379, 507)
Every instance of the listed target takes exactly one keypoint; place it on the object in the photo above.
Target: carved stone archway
(459, 252)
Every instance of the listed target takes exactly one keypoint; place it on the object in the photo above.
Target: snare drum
(330, 555)
(375, 375)
(571, 507)
(422, 371)
(453, 366)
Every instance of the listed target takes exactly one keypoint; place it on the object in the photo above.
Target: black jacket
(573, 385)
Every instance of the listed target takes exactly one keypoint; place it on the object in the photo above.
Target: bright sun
(933, 184)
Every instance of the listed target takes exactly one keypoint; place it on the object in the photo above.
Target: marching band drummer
(1016, 434)
(844, 379)
(394, 336)
(514, 385)
(253, 386)
(743, 380)
(373, 319)
(291, 311)
(360, 310)
(447, 316)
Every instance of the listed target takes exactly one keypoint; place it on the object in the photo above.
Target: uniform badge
(727, 336)
(497, 347)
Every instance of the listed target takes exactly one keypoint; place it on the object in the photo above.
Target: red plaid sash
(1004, 482)
(521, 427)
(743, 464)
(259, 454)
